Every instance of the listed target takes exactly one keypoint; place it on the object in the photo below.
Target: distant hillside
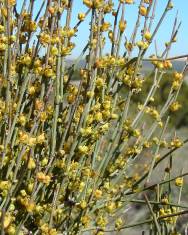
(178, 64)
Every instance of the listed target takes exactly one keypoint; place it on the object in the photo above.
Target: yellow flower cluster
(167, 212)
(177, 80)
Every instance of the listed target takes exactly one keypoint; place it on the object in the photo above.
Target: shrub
(68, 149)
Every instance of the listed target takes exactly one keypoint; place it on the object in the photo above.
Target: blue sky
(181, 47)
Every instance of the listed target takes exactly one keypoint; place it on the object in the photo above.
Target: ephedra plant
(68, 149)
